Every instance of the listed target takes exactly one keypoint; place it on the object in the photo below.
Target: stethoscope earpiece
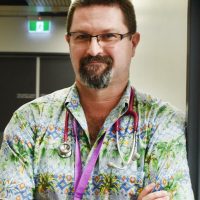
(136, 156)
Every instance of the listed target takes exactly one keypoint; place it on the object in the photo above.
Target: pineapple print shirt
(31, 168)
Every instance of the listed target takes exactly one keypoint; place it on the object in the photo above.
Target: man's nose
(94, 47)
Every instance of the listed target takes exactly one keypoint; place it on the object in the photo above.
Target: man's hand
(147, 194)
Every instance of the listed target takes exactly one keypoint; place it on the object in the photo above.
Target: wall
(159, 67)
(16, 38)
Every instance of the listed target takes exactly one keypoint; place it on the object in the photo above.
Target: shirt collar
(73, 96)
(73, 105)
(124, 101)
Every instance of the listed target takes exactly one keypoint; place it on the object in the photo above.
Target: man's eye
(108, 36)
(82, 37)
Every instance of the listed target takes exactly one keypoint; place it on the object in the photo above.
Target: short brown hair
(126, 7)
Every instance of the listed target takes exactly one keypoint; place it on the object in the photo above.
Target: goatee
(95, 71)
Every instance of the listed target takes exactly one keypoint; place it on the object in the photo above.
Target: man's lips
(96, 62)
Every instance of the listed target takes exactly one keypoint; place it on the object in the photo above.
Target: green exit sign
(39, 26)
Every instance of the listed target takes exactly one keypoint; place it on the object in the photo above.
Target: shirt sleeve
(16, 163)
(166, 159)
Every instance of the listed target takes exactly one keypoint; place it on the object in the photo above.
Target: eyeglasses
(104, 40)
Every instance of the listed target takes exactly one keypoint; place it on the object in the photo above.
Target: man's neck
(98, 103)
(100, 96)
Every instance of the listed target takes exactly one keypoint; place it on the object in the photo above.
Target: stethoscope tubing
(65, 151)
(133, 154)
(65, 148)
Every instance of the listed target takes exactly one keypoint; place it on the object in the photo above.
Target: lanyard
(82, 176)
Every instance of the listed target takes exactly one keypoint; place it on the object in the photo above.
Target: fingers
(148, 189)
(164, 198)
(159, 195)
(147, 194)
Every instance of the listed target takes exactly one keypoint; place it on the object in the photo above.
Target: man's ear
(67, 38)
(135, 40)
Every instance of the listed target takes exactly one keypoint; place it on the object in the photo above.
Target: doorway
(24, 77)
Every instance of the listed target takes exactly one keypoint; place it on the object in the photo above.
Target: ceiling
(34, 7)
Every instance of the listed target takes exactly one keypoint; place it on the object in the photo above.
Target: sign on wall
(39, 26)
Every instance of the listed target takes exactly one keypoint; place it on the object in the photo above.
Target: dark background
(18, 80)
(193, 94)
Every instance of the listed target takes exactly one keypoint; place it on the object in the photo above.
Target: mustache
(103, 59)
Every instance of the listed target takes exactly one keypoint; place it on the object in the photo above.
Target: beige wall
(159, 66)
(14, 36)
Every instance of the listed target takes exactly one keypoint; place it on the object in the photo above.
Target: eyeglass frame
(122, 36)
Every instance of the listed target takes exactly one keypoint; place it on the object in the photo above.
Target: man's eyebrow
(100, 32)
(109, 31)
(79, 31)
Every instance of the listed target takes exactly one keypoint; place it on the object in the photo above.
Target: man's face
(99, 66)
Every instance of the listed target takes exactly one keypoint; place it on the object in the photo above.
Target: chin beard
(91, 73)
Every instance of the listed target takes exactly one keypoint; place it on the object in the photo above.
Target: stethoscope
(65, 150)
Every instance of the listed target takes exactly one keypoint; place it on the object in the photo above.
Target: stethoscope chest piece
(65, 150)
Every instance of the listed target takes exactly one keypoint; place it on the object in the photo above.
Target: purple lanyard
(82, 177)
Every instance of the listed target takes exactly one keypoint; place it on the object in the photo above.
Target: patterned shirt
(31, 168)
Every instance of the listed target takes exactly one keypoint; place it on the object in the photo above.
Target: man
(80, 142)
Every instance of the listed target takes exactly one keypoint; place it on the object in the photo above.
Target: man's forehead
(104, 15)
(100, 8)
